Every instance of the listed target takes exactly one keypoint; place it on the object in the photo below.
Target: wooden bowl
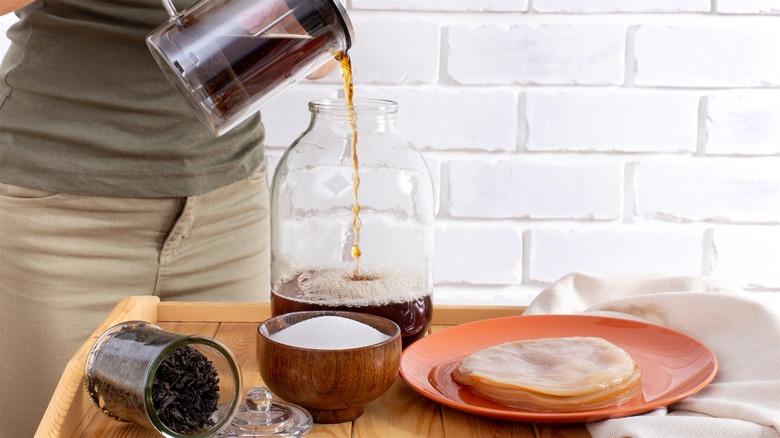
(332, 384)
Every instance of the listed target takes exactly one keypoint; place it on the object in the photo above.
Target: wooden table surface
(399, 413)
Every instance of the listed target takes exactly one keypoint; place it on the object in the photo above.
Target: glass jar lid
(261, 415)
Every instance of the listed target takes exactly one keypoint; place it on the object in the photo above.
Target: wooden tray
(400, 412)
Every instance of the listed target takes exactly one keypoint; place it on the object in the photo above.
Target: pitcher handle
(170, 8)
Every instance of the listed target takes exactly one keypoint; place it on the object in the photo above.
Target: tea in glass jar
(399, 296)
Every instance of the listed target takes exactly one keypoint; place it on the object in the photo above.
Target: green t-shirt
(85, 109)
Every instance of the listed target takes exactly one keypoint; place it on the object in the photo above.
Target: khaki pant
(66, 260)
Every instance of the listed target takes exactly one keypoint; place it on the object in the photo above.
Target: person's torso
(84, 108)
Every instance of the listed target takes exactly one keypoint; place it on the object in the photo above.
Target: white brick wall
(532, 190)
(540, 54)
(747, 255)
(712, 190)
(606, 136)
(743, 123)
(585, 6)
(749, 6)
(396, 52)
(442, 5)
(556, 252)
(743, 55)
(478, 254)
(612, 121)
(454, 119)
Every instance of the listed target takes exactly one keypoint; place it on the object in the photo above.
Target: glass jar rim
(338, 105)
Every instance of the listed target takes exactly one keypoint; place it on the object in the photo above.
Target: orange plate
(674, 365)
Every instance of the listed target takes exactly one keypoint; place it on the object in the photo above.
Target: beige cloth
(742, 328)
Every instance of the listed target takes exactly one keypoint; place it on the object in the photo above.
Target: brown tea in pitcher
(396, 294)
(252, 65)
(238, 64)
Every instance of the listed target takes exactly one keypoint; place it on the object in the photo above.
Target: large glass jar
(352, 212)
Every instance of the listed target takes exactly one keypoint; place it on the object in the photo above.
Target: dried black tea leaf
(185, 391)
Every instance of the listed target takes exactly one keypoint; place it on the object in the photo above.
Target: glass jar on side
(180, 386)
(352, 210)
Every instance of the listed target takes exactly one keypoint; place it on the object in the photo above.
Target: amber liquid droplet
(346, 77)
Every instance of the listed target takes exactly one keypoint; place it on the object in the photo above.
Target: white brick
(534, 190)
(555, 253)
(747, 256)
(443, 5)
(546, 54)
(724, 56)
(709, 189)
(488, 254)
(626, 121)
(287, 115)
(743, 124)
(454, 120)
(589, 6)
(749, 6)
(395, 52)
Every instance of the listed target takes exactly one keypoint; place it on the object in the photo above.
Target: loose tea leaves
(166, 381)
(185, 391)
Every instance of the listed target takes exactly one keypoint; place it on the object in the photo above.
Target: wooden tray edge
(63, 416)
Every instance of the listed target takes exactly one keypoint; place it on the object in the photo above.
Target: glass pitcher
(352, 210)
(227, 58)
